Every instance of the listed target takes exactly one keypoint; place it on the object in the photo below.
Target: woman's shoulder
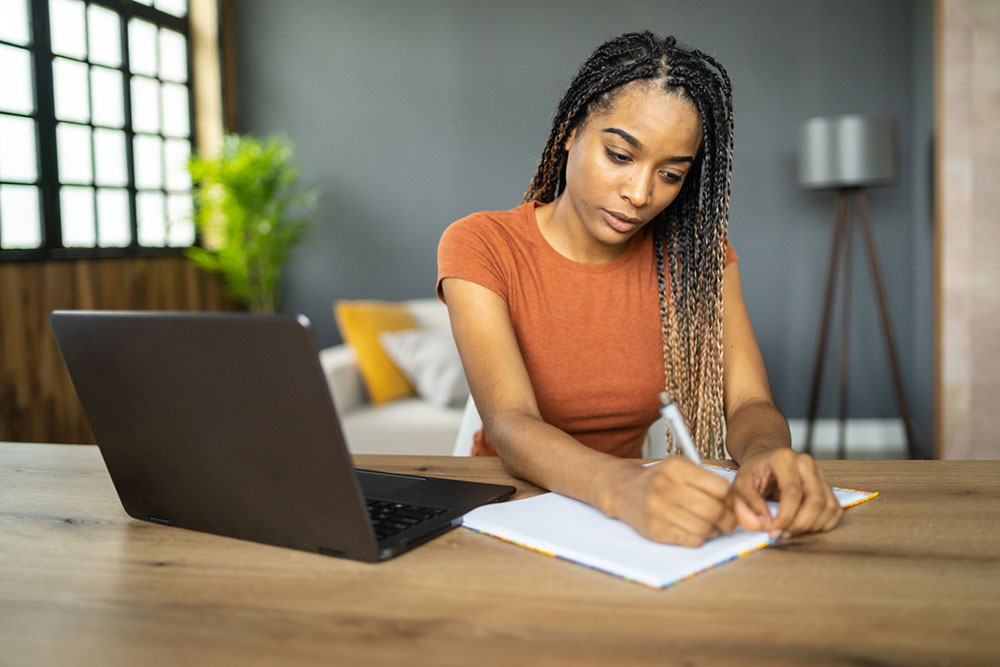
(510, 219)
(493, 226)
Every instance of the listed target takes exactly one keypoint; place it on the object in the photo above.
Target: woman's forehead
(651, 114)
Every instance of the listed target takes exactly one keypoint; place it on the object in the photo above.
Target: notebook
(224, 423)
(559, 526)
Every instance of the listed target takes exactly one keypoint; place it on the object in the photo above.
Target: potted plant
(245, 198)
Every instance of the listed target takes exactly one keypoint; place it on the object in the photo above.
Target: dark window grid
(16, 45)
(47, 156)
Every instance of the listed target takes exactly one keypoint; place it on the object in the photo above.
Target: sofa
(409, 425)
(415, 425)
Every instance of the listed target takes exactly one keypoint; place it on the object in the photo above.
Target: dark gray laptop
(224, 423)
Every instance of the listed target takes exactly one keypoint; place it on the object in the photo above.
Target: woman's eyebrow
(638, 144)
(624, 135)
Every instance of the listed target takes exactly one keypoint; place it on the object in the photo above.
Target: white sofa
(405, 426)
(413, 425)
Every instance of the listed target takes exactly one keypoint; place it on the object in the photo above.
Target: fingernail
(775, 534)
(786, 534)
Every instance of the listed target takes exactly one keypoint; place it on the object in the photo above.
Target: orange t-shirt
(589, 333)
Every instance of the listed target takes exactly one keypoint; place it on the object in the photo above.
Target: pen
(678, 429)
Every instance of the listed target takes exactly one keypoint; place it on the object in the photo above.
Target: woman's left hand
(805, 500)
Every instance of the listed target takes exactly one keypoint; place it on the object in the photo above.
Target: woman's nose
(637, 188)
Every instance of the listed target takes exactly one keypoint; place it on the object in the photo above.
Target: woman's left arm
(757, 436)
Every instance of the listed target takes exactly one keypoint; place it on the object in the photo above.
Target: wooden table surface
(910, 578)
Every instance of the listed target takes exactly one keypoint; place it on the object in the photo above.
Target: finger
(746, 517)
(685, 471)
(718, 512)
(815, 500)
(835, 512)
(789, 482)
(686, 518)
(743, 488)
(668, 532)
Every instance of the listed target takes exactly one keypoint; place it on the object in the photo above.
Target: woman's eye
(671, 177)
(616, 157)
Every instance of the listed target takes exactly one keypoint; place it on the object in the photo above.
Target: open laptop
(224, 423)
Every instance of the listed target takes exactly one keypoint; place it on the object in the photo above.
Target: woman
(614, 280)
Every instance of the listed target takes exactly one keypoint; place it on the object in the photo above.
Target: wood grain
(37, 400)
(910, 578)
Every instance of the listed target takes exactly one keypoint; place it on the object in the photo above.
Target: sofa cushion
(430, 361)
(406, 426)
(360, 323)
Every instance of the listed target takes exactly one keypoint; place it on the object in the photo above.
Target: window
(95, 127)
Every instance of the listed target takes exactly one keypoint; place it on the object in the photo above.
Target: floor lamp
(849, 154)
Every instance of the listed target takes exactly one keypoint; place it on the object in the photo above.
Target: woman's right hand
(674, 501)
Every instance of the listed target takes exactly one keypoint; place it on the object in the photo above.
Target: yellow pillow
(360, 324)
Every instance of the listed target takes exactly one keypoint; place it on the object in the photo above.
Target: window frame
(47, 179)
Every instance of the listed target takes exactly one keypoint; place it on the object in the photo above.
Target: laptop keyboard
(389, 518)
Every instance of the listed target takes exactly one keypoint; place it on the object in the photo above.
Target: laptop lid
(224, 423)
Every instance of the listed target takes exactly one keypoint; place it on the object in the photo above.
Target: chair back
(471, 422)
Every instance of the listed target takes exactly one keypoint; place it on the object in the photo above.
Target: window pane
(149, 209)
(145, 104)
(77, 217)
(148, 162)
(113, 218)
(17, 149)
(142, 47)
(68, 36)
(176, 113)
(109, 104)
(175, 7)
(73, 146)
(177, 153)
(19, 219)
(173, 56)
(180, 224)
(15, 80)
(105, 36)
(109, 157)
(71, 90)
(14, 27)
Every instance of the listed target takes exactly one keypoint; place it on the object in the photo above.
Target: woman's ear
(570, 138)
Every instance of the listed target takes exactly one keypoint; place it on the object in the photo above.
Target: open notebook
(559, 526)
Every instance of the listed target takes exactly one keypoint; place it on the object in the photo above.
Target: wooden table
(910, 578)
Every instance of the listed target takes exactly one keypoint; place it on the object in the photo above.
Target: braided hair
(690, 234)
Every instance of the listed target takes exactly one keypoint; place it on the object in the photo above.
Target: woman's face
(627, 163)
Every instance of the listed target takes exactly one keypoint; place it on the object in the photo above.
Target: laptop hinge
(332, 552)
(156, 519)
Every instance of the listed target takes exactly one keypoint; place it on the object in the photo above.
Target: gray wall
(410, 114)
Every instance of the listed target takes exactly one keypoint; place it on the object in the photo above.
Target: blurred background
(407, 115)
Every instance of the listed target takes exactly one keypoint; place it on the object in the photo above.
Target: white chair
(654, 447)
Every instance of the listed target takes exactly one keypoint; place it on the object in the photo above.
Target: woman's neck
(563, 230)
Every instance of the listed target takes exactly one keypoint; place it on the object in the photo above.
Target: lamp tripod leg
(845, 333)
(831, 275)
(897, 377)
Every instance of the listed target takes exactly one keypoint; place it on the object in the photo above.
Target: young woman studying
(614, 281)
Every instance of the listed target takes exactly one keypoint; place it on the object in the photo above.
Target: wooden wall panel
(967, 101)
(37, 400)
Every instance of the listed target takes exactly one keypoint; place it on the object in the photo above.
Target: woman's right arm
(675, 501)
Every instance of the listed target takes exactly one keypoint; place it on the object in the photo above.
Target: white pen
(675, 422)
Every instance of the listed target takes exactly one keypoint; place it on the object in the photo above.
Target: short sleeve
(730, 253)
(471, 250)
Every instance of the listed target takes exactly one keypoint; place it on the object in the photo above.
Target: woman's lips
(620, 223)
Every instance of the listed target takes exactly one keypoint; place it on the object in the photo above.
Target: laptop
(224, 423)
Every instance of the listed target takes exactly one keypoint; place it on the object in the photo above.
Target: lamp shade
(847, 151)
